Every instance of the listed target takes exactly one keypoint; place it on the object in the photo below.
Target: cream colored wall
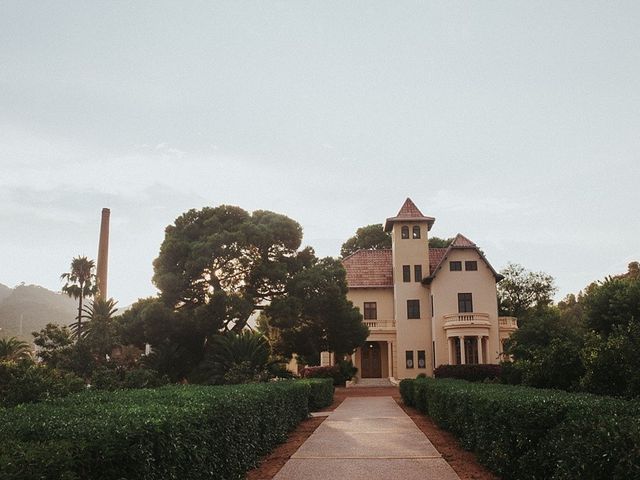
(382, 296)
(445, 288)
(412, 334)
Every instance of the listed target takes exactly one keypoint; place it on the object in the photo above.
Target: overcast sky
(514, 123)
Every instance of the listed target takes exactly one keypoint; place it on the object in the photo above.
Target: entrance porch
(375, 360)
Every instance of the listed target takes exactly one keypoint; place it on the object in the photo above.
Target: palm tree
(12, 349)
(80, 282)
(99, 330)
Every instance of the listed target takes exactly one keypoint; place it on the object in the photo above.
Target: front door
(371, 360)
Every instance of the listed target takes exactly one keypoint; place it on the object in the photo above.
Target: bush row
(320, 392)
(471, 373)
(526, 433)
(341, 372)
(174, 432)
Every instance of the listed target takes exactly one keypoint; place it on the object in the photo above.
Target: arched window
(416, 231)
(405, 232)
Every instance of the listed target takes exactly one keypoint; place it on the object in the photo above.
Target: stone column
(463, 360)
(450, 348)
(389, 359)
(479, 340)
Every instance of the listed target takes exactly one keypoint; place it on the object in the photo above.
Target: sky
(516, 123)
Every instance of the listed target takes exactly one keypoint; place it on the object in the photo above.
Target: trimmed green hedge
(526, 433)
(321, 392)
(176, 432)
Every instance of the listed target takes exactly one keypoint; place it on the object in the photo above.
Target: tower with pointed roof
(424, 306)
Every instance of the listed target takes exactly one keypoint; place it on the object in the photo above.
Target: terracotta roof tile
(462, 241)
(369, 268)
(436, 255)
(409, 210)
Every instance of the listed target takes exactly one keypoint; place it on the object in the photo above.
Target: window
(370, 311)
(432, 308)
(417, 273)
(404, 232)
(416, 231)
(406, 273)
(455, 266)
(471, 265)
(409, 356)
(413, 309)
(422, 359)
(465, 303)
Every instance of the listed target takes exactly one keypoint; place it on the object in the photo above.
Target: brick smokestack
(103, 254)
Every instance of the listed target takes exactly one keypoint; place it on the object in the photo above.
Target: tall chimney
(103, 254)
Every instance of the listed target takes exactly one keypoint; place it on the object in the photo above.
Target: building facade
(424, 306)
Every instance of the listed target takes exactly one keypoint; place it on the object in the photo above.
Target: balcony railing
(508, 322)
(380, 324)
(466, 319)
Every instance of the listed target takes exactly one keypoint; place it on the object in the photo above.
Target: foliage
(223, 263)
(57, 350)
(524, 433)
(471, 373)
(546, 351)
(24, 381)
(316, 316)
(340, 373)
(177, 432)
(436, 242)
(521, 290)
(235, 358)
(80, 282)
(320, 392)
(12, 349)
(368, 237)
(99, 331)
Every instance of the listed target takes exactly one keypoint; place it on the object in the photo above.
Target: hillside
(28, 308)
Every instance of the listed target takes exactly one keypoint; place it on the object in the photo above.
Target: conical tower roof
(409, 212)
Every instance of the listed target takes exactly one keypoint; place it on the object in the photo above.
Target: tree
(437, 242)
(12, 349)
(316, 316)
(521, 290)
(222, 263)
(367, 237)
(614, 302)
(99, 331)
(57, 350)
(80, 282)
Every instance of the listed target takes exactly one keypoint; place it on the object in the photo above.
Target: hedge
(321, 392)
(174, 432)
(526, 433)
(471, 373)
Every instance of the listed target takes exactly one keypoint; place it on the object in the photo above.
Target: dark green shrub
(526, 433)
(175, 432)
(25, 382)
(104, 378)
(471, 373)
(340, 373)
(143, 378)
(406, 391)
(320, 392)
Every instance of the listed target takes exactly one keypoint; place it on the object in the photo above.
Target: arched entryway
(371, 361)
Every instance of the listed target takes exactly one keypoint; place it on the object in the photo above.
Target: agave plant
(236, 358)
(13, 349)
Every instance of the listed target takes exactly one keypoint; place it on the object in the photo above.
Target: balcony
(380, 324)
(508, 323)
(467, 319)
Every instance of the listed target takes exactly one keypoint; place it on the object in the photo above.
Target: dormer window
(404, 232)
(416, 231)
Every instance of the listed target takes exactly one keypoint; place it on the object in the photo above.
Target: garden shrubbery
(320, 392)
(341, 372)
(173, 432)
(526, 433)
(471, 373)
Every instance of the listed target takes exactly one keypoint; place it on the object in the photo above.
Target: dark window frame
(417, 273)
(409, 359)
(465, 302)
(415, 232)
(457, 264)
(413, 309)
(471, 263)
(422, 355)
(404, 232)
(406, 273)
(370, 311)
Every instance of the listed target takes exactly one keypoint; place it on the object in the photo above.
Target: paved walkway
(367, 438)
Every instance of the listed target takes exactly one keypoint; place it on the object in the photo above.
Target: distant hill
(28, 308)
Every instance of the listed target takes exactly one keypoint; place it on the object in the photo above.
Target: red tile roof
(408, 212)
(435, 257)
(462, 241)
(369, 268)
